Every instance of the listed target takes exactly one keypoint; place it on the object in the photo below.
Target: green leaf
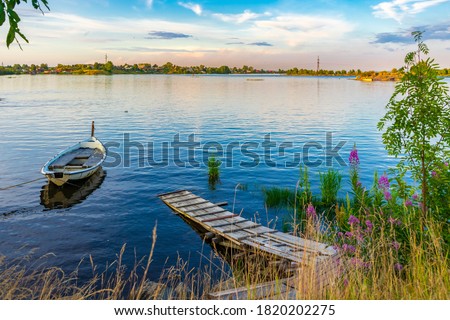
(11, 36)
(2, 13)
(13, 16)
(22, 35)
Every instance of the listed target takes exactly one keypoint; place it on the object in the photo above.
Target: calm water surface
(41, 115)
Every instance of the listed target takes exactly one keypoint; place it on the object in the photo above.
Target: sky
(268, 34)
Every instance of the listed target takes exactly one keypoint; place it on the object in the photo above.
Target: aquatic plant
(213, 171)
(330, 184)
(277, 197)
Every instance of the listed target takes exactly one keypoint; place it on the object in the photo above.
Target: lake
(159, 130)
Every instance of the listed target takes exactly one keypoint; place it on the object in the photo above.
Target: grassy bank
(369, 270)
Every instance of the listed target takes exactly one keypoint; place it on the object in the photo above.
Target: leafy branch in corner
(7, 10)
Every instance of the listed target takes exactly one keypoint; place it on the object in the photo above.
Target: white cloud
(77, 39)
(240, 17)
(293, 29)
(149, 3)
(398, 9)
(196, 8)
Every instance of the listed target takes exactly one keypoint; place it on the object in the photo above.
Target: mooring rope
(22, 183)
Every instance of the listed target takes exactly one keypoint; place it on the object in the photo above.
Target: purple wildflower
(356, 261)
(415, 196)
(398, 267)
(394, 221)
(383, 182)
(395, 245)
(340, 234)
(348, 248)
(446, 164)
(354, 159)
(369, 225)
(387, 195)
(311, 211)
(352, 220)
(349, 234)
(359, 263)
(408, 203)
(359, 237)
(434, 173)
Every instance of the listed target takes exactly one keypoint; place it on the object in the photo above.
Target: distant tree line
(170, 68)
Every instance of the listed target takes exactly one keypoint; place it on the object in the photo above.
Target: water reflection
(54, 197)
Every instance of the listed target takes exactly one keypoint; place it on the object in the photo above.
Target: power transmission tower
(318, 65)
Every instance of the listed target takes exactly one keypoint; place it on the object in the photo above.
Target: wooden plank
(277, 251)
(219, 218)
(168, 194)
(258, 292)
(190, 203)
(203, 213)
(235, 227)
(241, 293)
(261, 230)
(247, 224)
(203, 208)
(225, 222)
(200, 208)
(300, 242)
(222, 215)
(184, 197)
(237, 235)
(182, 209)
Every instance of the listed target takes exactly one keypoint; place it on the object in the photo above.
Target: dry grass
(426, 276)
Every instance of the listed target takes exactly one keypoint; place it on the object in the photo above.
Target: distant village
(170, 68)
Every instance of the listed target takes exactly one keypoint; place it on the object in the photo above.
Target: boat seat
(61, 162)
(93, 159)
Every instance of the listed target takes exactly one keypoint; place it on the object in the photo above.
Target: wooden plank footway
(240, 233)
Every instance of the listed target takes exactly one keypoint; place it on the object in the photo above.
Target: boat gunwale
(49, 172)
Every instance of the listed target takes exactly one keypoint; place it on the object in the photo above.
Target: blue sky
(265, 34)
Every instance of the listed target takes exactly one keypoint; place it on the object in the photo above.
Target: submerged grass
(276, 197)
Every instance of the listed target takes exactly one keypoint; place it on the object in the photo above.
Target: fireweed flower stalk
(357, 188)
(354, 168)
(383, 183)
(311, 212)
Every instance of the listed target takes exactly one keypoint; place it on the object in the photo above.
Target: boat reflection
(68, 195)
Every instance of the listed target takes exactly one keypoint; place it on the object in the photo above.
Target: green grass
(213, 171)
(276, 197)
(330, 184)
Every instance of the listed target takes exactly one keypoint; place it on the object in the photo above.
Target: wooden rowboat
(77, 162)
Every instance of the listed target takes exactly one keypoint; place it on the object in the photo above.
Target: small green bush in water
(213, 170)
